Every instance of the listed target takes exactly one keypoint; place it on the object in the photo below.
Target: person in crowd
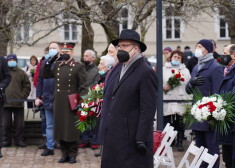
(173, 111)
(166, 54)
(92, 70)
(5, 79)
(228, 60)
(30, 71)
(70, 78)
(206, 77)
(178, 48)
(192, 62)
(42, 112)
(128, 139)
(108, 88)
(187, 54)
(106, 63)
(92, 79)
(215, 54)
(19, 88)
(45, 92)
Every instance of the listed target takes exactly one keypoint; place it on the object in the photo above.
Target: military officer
(5, 79)
(70, 78)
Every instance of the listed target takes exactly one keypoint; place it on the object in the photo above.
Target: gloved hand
(141, 147)
(196, 81)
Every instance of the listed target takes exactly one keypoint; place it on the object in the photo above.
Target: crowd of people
(124, 130)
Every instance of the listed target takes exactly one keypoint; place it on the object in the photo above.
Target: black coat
(5, 76)
(228, 85)
(130, 118)
(108, 89)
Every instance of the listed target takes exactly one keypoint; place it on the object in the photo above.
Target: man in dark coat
(207, 77)
(228, 85)
(128, 140)
(70, 78)
(5, 79)
(13, 116)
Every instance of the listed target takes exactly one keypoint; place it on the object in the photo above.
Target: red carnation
(82, 117)
(202, 105)
(177, 76)
(211, 107)
(92, 113)
(173, 71)
(218, 59)
(91, 104)
(93, 87)
(78, 113)
(182, 79)
(102, 85)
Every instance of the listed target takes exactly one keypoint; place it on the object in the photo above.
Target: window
(22, 33)
(223, 28)
(123, 19)
(70, 28)
(172, 24)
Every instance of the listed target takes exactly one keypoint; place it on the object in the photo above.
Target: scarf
(202, 61)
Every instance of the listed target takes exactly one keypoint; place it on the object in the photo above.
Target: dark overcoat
(108, 90)
(130, 118)
(213, 74)
(228, 85)
(70, 78)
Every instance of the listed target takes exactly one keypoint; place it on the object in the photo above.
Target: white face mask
(198, 53)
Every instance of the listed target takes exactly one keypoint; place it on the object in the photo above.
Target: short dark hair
(232, 49)
(47, 48)
(179, 53)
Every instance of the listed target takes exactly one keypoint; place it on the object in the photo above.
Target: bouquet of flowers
(175, 80)
(216, 109)
(90, 108)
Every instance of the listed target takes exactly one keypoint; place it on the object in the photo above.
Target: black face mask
(225, 59)
(65, 57)
(86, 62)
(123, 56)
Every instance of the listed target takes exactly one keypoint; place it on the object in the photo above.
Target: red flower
(93, 87)
(218, 59)
(82, 117)
(91, 104)
(78, 113)
(177, 76)
(172, 71)
(202, 105)
(92, 113)
(182, 79)
(211, 107)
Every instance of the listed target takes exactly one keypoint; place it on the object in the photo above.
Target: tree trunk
(3, 44)
(111, 32)
(87, 37)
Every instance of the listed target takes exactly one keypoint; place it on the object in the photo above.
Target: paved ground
(30, 157)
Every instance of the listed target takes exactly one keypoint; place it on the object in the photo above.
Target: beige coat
(177, 93)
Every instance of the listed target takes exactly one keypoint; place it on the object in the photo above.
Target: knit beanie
(207, 44)
(12, 56)
(168, 49)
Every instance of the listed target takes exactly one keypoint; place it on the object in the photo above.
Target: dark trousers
(13, 128)
(177, 122)
(227, 151)
(68, 148)
(1, 124)
(209, 140)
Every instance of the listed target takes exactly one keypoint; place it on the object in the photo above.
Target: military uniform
(5, 79)
(70, 78)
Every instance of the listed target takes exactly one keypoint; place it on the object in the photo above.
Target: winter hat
(207, 44)
(12, 56)
(168, 49)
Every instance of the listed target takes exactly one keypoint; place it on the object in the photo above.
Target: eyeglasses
(124, 45)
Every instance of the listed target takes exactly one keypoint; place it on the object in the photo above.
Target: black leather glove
(141, 147)
(196, 81)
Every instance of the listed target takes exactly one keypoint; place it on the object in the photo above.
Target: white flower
(97, 88)
(84, 113)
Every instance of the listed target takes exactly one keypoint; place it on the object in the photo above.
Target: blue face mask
(175, 63)
(11, 64)
(101, 72)
(47, 56)
(52, 52)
